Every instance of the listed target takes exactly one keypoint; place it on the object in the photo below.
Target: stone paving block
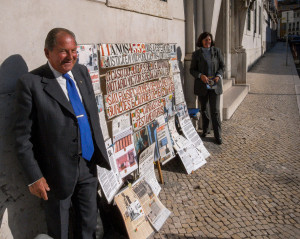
(249, 187)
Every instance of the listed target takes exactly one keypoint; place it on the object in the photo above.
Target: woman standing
(207, 67)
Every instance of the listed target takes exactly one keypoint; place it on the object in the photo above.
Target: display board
(140, 98)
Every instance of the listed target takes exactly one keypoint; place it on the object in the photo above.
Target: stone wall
(24, 26)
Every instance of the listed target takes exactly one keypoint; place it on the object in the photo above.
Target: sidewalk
(250, 186)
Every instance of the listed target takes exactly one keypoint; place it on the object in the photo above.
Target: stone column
(190, 45)
(227, 35)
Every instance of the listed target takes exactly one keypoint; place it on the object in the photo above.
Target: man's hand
(40, 188)
(204, 79)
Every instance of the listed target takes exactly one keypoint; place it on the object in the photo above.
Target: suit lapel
(54, 90)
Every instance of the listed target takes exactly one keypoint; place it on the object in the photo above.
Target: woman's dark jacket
(199, 65)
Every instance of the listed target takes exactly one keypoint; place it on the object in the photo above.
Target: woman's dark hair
(203, 36)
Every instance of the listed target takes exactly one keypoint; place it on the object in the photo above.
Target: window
(249, 20)
(259, 21)
(255, 16)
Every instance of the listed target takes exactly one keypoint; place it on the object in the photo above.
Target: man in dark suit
(58, 136)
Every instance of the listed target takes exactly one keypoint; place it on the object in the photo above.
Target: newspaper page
(121, 126)
(181, 110)
(95, 81)
(125, 155)
(146, 168)
(172, 130)
(169, 105)
(154, 210)
(110, 180)
(191, 134)
(191, 158)
(136, 222)
(164, 142)
(179, 95)
(203, 151)
(87, 56)
(151, 128)
(124, 150)
(101, 113)
(174, 66)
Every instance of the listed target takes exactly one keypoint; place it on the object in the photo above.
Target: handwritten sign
(128, 99)
(122, 78)
(112, 55)
(147, 113)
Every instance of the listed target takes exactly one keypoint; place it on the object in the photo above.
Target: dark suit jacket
(199, 65)
(47, 131)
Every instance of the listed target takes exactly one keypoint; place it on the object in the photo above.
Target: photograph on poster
(135, 210)
(151, 128)
(181, 110)
(122, 143)
(127, 163)
(141, 140)
(87, 56)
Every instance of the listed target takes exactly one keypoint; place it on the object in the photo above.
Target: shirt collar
(57, 74)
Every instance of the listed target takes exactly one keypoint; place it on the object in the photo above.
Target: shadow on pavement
(175, 236)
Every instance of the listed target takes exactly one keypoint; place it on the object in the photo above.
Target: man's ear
(46, 52)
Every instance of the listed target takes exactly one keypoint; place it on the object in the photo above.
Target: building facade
(240, 28)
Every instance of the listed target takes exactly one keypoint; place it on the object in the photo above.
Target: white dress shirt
(63, 82)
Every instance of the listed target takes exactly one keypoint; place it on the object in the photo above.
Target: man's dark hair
(50, 41)
(203, 36)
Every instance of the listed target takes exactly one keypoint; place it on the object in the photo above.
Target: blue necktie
(87, 145)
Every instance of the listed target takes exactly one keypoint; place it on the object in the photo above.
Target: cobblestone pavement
(250, 186)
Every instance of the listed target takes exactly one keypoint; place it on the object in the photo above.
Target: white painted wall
(24, 26)
(252, 42)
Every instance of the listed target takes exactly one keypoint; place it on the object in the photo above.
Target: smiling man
(58, 136)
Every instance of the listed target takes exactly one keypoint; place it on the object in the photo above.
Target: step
(226, 85)
(297, 88)
(232, 98)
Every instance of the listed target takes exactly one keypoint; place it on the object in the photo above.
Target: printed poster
(101, 113)
(110, 180)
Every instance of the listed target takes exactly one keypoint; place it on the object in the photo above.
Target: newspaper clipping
(141, 210)
(164, 143)
(110, 180)
(101, 113)
(146, 168)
